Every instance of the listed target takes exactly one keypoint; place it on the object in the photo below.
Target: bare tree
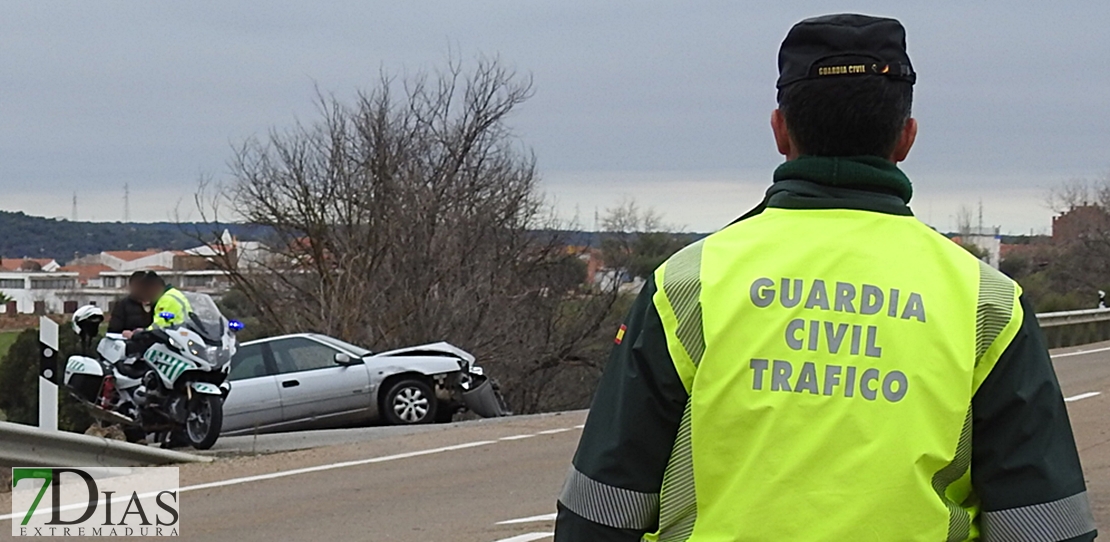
(637, 240)
(1071, 194)
(413, 215)
(628, 217)
(1078, 259)
(963, 220)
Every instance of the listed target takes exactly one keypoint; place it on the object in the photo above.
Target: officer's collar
(865, 173)
(816, 182)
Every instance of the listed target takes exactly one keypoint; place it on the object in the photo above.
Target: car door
(315, 391)
(254, 401)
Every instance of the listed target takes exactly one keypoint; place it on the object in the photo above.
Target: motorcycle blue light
(167, 316)
(235, 325)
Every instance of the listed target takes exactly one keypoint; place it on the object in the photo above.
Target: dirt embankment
(19, 322)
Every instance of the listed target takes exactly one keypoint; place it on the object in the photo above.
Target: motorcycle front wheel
(204, 420)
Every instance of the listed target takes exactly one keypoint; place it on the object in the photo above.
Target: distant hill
(595, 239)
(22, 235)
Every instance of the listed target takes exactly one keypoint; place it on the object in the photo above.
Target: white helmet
(87, 318)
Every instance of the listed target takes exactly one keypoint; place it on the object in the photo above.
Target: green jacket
(1023, 454)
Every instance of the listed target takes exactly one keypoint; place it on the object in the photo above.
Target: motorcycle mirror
(235, 325)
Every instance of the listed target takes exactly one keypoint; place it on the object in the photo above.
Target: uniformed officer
(828, 368)
(170, 301)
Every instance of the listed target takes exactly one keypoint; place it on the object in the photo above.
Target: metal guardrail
(26, 446)
(1072, 328)
(22, 445)
(1067, 318)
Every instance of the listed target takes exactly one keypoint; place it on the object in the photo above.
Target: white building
(988, 240)
(41, 286)
(37, 292)
(245, 254)
(28, 264)
(205, 281)
(131, 260)
(64, 291)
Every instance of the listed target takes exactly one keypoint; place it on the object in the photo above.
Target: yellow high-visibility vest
(830, 385)
(171, 301)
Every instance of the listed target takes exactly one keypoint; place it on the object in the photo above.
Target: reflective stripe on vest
(830, 383)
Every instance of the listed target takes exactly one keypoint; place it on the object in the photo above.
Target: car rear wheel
(409, 402)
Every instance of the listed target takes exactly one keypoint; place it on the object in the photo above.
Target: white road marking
(293, 472)
(306, 470)
(526, 537)
(583, 426)
(1081, 352)
(554, 431)
(545, 517)
(1087, 395)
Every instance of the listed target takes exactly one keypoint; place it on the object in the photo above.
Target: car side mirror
(344, 359)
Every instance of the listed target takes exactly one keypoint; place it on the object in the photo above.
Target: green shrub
(234, 305)
(19, 382)
(1047, 295)
(6, 340)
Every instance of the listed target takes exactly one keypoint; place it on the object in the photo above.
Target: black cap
(844, 45)
(151, 277)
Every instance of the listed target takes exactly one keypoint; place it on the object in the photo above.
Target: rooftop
(131, 255)
(24, 264)
(86, 272)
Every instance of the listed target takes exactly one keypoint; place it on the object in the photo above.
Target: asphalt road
(464, 482)
(1083, 372)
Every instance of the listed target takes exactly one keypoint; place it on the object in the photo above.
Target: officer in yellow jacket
(828, 368)
(170, 300)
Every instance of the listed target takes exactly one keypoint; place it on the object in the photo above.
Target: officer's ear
(905, 141)
(782, 135)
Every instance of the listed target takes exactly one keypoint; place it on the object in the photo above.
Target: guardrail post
(48, 374)
(1069, 328)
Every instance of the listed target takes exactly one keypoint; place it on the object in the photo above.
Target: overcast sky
(665, 102)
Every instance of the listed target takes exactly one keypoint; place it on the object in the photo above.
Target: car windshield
(344, 345)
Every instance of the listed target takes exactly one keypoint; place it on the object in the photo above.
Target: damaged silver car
(312, 381)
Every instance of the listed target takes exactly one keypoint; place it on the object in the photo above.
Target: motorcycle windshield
(206, 319)
(208, 322)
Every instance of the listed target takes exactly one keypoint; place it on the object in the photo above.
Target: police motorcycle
(170, 382)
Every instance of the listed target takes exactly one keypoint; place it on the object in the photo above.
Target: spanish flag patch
(620, 334)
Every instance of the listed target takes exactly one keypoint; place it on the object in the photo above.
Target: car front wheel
(409, 402)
